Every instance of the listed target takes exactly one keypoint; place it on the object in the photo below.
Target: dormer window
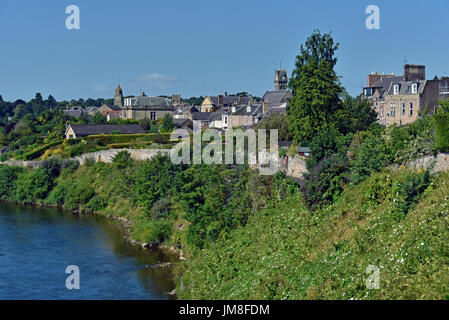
(368, 92)
(414, 88)
(396, 89)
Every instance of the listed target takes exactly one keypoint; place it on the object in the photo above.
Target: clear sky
(202, 47)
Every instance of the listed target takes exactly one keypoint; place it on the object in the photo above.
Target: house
(75, 111)
(91, 110)
(74, 131)
(400, 99)
(213, 103)
(110, 110)
(153, 108)
(244, 116)
(202, 118)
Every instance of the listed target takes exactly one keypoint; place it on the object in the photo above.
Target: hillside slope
(396, 221)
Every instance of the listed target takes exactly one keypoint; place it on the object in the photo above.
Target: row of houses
(401, 99)
(220, 112)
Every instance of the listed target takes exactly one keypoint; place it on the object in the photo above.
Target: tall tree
(319, 47)
(316, 89)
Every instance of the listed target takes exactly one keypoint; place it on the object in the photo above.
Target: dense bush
(8, 176)
(441, 120)
(122, 159)
(325, 182)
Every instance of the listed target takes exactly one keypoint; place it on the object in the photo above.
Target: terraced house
(402, 99)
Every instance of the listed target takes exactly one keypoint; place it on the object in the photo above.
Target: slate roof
(405, 87)
(230, 100)
(112, 107)
(182, 122)
(146, 101)
(75, 111)
(92, 109)
(384, 83)
(242, 110)
(276, 97)
(82, 130)
(194, 109)
(203, 116)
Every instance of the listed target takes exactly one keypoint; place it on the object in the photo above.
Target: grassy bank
(396, 221)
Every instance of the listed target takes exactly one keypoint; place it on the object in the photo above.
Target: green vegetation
(288, 252)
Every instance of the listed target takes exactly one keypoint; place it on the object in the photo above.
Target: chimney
(240, 99)
(265, 106)
(413, 72)
(372, 79)
(220, 100)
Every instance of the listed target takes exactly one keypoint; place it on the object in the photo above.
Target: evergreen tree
(319, 48)
(315, 101)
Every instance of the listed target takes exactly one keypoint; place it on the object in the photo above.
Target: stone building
(280, 80)
(213, 103)
(401, 99)
(153, 108)
(244, 116)
(118, 97)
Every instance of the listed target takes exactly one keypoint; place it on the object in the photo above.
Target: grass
(288, 252)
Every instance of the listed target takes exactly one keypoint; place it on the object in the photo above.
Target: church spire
(118, 96)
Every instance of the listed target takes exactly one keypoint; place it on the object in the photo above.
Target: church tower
(280, 79)
(118, 97)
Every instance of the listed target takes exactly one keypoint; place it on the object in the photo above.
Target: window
(411, 109)
(414, 88)
(368, 92)
(381, 111)
(396, 89)
(403, 108)
(392, 110)
(152, 115)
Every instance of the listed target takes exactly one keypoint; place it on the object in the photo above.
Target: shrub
(408, 191)
(161, 208)
(122, 159)
(96, 203)
(370, 157)
(8, 176)
(441, 120)
(326, 180)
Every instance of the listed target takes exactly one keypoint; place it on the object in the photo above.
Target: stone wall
(108, 155)
(23, 163)
(440, 161)
(104, 156)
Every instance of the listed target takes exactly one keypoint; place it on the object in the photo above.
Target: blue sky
(199, 47)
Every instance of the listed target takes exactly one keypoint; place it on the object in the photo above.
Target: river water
(37, 245)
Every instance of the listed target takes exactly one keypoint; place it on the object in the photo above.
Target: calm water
(36, 246)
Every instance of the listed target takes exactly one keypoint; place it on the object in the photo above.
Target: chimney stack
(220, 100)
(413, 72)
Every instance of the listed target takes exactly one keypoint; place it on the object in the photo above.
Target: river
(37, 245)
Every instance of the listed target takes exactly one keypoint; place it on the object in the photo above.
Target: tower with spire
(118, 97)
(280, 79)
